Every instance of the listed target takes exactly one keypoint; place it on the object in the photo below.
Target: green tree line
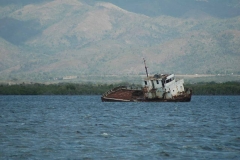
(211, 88)
(56, 89)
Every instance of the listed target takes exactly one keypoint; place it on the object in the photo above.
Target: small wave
(164, 153)
(206, 148)
(170, 125)
(105, 134)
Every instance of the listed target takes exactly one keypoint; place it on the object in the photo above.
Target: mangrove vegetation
(211, 88)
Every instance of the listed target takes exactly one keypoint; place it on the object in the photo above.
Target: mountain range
(57, 38)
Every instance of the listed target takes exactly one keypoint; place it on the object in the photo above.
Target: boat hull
(132, 95)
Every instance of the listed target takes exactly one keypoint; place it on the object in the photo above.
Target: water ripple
(82, 127)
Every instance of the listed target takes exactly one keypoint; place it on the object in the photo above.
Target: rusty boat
(156, 88)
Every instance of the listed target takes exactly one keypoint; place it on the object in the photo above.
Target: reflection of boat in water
(157, 88)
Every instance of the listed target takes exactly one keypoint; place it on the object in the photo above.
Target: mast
(145, 66)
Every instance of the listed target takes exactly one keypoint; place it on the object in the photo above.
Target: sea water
(83, 127)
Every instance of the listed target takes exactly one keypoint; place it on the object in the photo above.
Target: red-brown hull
(131, 95)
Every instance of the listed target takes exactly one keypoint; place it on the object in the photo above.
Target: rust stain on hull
(122, 94)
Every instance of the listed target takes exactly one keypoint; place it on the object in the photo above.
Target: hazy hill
(75, 37)
(179, 8)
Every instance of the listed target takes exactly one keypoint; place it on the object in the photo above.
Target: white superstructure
(162, 86)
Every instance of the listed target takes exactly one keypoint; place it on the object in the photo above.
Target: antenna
(145, 66)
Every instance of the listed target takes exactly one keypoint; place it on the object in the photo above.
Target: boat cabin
(162, 86)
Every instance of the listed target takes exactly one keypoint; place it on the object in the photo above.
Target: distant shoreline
(201, 88)
(136, 79)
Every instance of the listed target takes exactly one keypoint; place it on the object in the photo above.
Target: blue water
(83, 127)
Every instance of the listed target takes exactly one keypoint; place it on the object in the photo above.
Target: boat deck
(121, 94)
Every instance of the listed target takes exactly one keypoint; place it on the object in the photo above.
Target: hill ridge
(59, 38)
